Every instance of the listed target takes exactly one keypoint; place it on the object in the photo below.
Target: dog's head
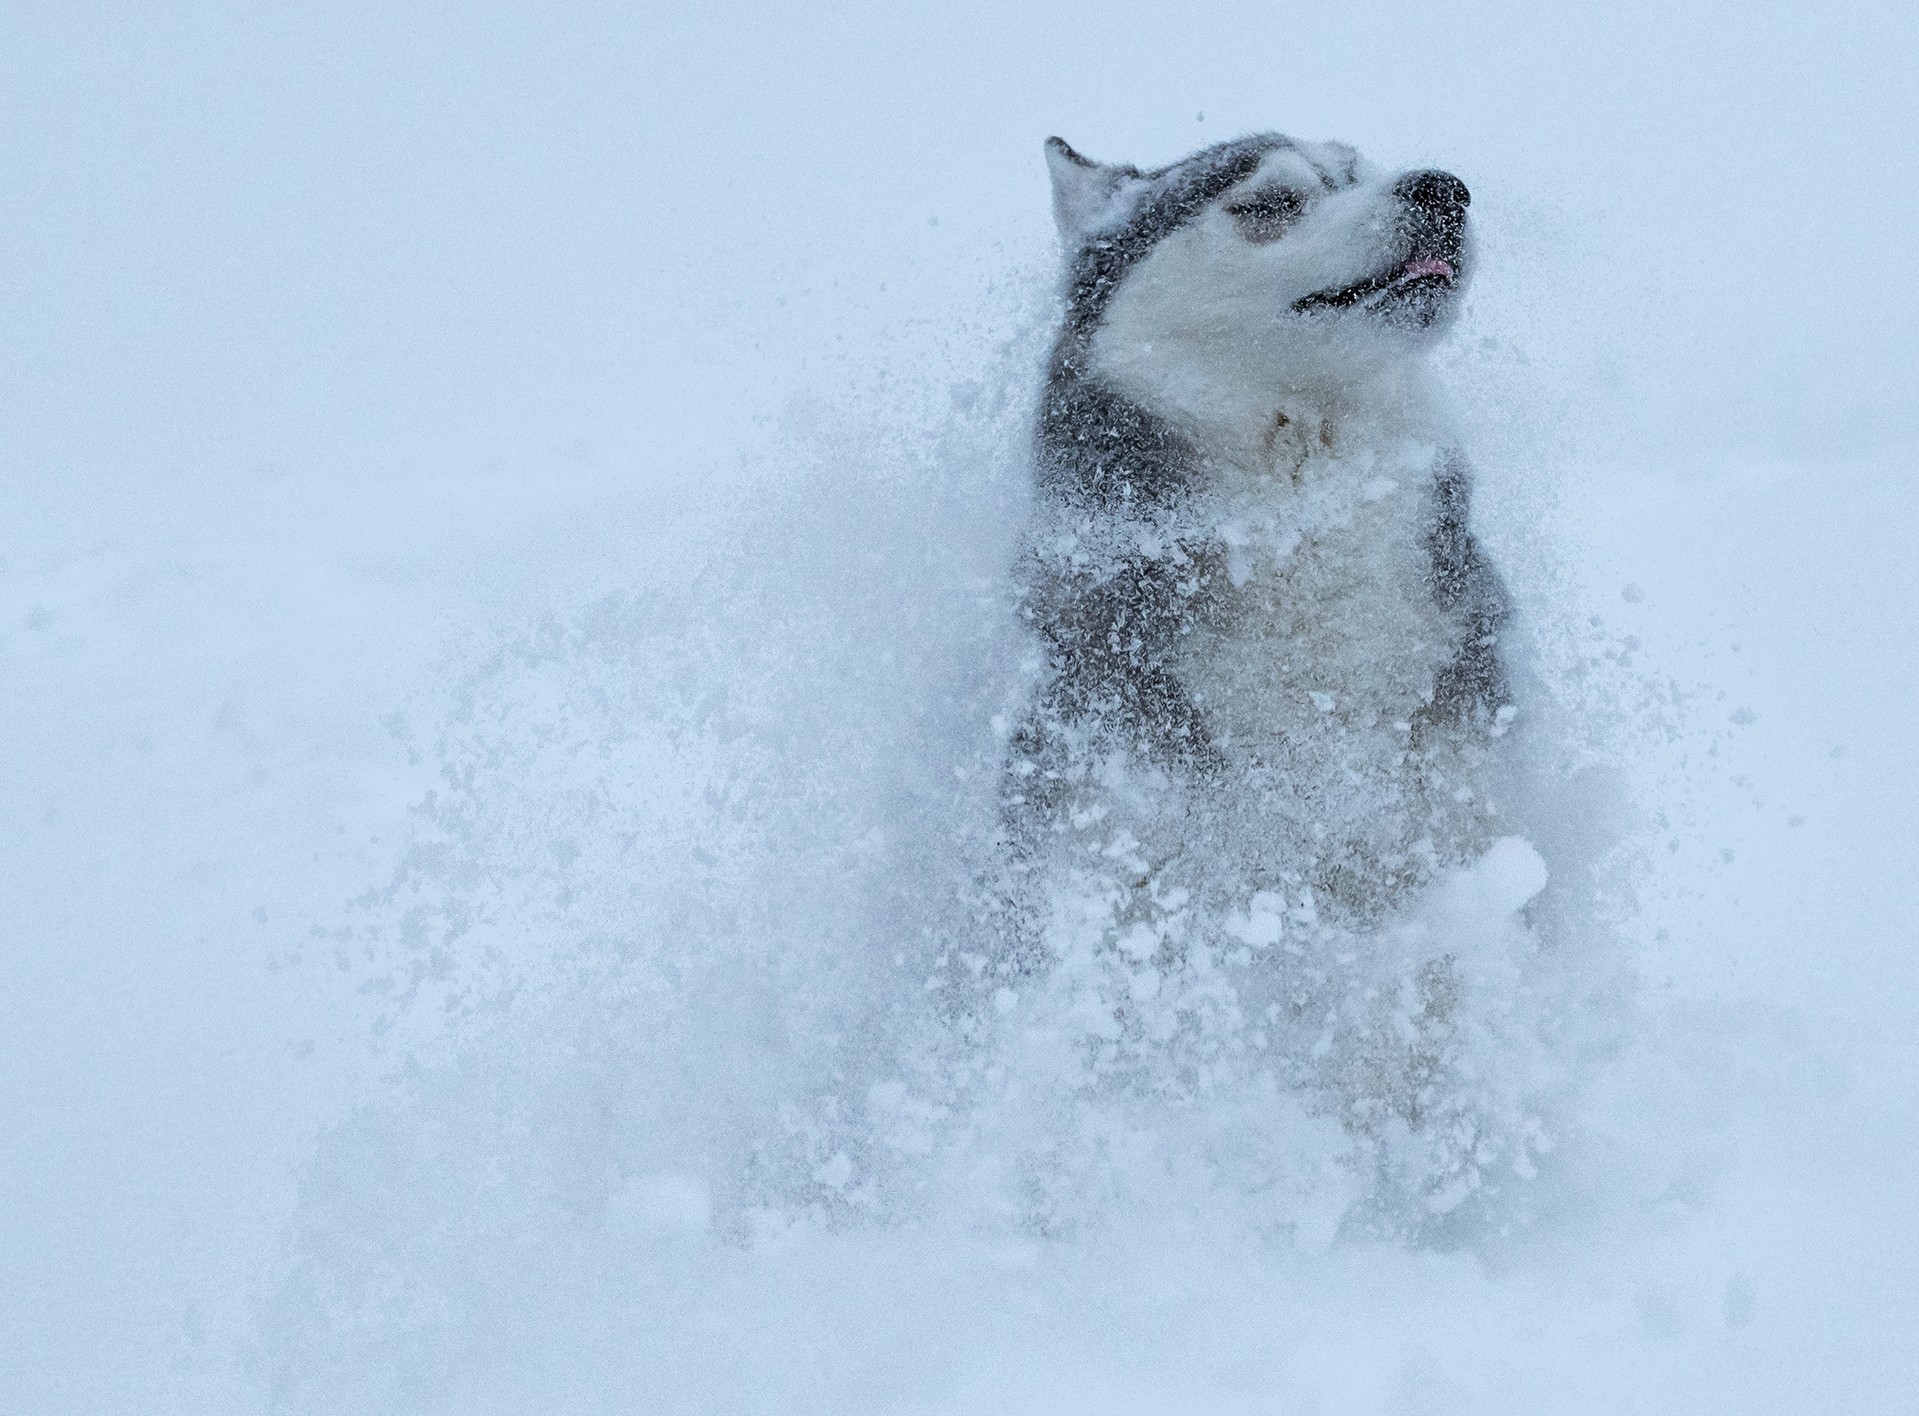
(1264, 261)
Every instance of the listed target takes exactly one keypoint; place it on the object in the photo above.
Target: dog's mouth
(1412, 292)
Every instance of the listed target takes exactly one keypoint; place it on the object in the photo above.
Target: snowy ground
(365, 553)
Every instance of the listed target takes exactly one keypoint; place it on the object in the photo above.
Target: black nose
(1439, 193)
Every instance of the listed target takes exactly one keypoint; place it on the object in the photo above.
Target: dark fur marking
(1181, 193)
(1098, 449)
(1109, 636)
(1465, 584)
(1095, 448)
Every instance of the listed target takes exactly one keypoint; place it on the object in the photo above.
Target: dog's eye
(1266, 215)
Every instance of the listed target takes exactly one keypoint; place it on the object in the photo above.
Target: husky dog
(1256, 794)
(1269, 633)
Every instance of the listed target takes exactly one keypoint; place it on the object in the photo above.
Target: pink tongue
(1428, 265)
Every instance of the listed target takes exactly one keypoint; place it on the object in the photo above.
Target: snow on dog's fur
(1264, 751)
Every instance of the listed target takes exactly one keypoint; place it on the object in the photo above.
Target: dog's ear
(1087, 195)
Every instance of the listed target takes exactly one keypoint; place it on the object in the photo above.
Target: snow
(1505, 878)
(504, 673)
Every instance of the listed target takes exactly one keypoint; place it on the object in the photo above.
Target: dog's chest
(1325, 634)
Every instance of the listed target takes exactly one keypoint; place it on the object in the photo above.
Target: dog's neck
(1257, 420)
(1282, 436)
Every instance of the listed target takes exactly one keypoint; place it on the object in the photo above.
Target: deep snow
(501, 635)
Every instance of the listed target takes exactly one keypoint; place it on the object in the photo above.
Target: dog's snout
(1437, 193)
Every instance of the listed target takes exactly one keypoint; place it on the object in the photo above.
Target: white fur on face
(1203, 331)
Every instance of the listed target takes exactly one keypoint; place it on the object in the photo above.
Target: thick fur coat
(1271, 639)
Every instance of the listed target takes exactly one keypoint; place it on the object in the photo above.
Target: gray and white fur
(1268, 631)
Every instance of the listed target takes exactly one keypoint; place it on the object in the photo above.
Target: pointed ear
(1086, 194)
